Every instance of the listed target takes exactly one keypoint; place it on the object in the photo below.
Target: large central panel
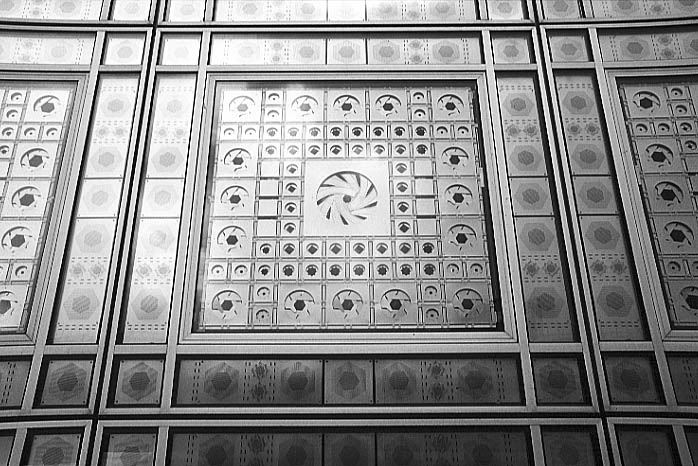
(350, 206)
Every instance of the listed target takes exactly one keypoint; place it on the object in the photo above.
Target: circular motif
(26, 197)
(459, 195)
(388, 105)
(348, 302)
(46, 104)
(237, 158)
(467, 302)
(234, 197)
(395, 302)
(8, 300)
(299, 302)
(455, 157)
(347, 105)
(231, 237)
(347, 198)
(241, 106)
(305, 105)
(34, 159)
(462, 236)
(227, 302)
(16, 238)
(451, 104)
(690, 297)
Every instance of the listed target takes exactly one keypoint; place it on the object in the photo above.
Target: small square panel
(139, 382)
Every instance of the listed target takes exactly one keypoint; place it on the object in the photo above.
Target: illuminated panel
(55, 10)
(153, 262)
(353, 11)
(663, 129)
(43, 49)
(33, 131)
(346, 207)
(90, 247)
(544, 279)
(614, 288)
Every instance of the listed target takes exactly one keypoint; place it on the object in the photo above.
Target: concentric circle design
(347, 198)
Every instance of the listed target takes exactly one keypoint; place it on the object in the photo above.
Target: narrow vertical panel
(618, 309)
(544, 278)
(662, 126)
(34, 121)
(157, 231)
(89, 250)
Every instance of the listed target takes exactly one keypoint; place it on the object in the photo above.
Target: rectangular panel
(349, 206)
(54, 10)
(44, 49)
(369, 447)
(157, 226)
(663, 129)
(618, 309)
(355, 11)
(239, 50)
(33, 131)
(545, 279)
(89, 250)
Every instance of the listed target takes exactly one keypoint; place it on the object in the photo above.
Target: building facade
(360, 232)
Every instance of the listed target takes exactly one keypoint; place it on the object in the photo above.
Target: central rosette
(347, 198)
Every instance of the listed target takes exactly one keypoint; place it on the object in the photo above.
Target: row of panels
(560, 380)
(551, 444)
(357, 11)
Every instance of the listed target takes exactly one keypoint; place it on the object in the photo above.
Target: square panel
(360, 205)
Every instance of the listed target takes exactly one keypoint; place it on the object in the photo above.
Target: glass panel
(641, 8)
(368, 446)
(89, 250)
(42, 49)
(374, 197)
(155, 249)
(618, 309)
(130, 10)
(55, 10)
(33, 132)
(544, 273)
(124, 49)
(137, 449)
(350, 11)
(61, 448)
(180, 49)
(662, 126)
(228, 49)
(186, 10)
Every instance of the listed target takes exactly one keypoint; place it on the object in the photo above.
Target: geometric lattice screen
(372, 232)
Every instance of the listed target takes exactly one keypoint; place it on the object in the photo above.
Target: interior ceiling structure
(360, 232)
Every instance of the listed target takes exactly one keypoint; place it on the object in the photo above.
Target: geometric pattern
(588, 354)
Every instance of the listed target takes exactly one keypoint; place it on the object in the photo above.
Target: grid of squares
(310, 187)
